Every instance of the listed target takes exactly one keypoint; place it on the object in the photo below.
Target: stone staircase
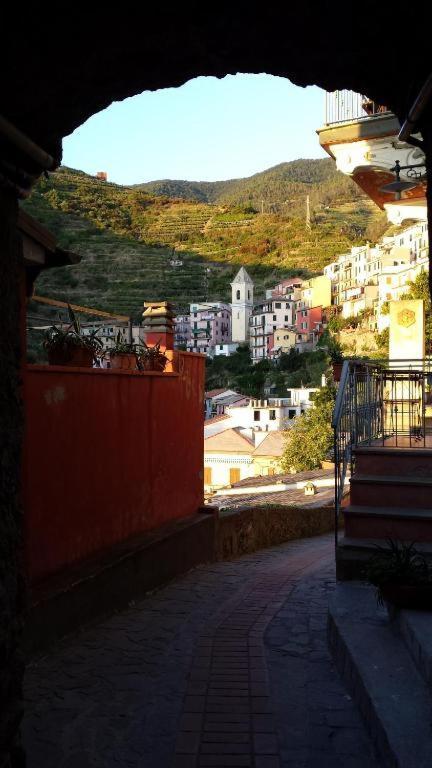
(387, 667)
(390, 497)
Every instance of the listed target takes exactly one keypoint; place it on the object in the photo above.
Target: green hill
(279, 188)
(128, 237)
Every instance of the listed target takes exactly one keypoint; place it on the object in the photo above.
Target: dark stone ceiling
(54, 77)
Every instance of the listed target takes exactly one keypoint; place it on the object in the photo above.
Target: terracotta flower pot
(337, 371)
(124, 361)
(74, 356)
(154, 363)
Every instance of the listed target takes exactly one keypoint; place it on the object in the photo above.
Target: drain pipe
(416, 111)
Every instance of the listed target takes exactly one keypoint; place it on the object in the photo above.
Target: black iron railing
(348, 106)
(379, 404)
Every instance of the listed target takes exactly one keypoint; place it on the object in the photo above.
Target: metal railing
(348, 106)
(379, 404)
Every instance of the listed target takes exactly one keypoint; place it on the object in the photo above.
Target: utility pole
(308, 219)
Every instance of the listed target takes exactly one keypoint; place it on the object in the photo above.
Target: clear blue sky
(206, 130)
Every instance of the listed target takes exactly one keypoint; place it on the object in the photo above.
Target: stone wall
(248, 529)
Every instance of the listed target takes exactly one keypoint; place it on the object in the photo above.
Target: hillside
(129, 237)
(280, 189)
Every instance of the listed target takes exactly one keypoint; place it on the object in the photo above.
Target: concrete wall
(108, 455)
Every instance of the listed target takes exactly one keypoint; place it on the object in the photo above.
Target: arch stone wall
(61, 65)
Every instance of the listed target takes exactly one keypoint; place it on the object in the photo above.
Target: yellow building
(316, 292)
(283, 340)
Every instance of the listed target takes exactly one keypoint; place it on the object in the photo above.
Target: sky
(206, 130)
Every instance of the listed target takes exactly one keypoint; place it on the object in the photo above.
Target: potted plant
(70, 346)
(152, 359)
(124, 354)
(401, 576)
(336, 358)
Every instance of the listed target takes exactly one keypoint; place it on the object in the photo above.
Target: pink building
(210, 325)
(309, 320)
(289, 287)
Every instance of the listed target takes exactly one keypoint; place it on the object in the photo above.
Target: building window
(248, 294)
(274, 317)
(278, 305)
(291, 414)
(257, 415)
(238, 294)
(286, 318)
(272, 415)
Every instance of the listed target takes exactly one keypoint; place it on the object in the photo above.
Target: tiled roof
(228, 441)
(323, 497)
(272, 445)
(215, 392)
(215, 419)
(285, 478)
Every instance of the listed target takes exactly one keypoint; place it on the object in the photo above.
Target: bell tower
(241, 305)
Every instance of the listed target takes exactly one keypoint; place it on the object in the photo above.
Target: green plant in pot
(335, 354)
(70, 346)
(124, 354)
(401, 576)
(152, 359)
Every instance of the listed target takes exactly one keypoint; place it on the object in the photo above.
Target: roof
(272, 445)
(215, 419)
(285, 477)
(324, 497)
(54, 256)
(242, 277)
(228, 441)
(214, 392)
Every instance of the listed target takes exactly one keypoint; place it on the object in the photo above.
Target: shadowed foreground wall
(108, 455)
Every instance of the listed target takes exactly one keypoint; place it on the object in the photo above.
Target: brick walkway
(228, 666)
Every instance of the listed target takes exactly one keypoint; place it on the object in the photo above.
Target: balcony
(383, 438)
(348, 107)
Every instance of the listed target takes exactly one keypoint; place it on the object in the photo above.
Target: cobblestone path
(227, 666)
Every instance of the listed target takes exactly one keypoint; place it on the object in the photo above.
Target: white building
(241, 306)
(268, 317)
(271, 414)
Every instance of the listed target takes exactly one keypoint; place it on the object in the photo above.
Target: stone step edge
(406, 513)
(415, 629)
(399, 742)
(420, 480)
(390, 451)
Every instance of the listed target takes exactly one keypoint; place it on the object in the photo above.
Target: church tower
(241, 306)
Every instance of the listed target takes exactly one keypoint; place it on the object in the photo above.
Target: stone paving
(227, 666)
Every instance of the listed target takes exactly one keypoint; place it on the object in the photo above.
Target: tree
(310, 439)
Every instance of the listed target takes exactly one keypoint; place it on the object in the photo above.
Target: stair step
(378, 669)
(391, 491)
(403, 523)
(382, 450)
(396, 512)
(394, 461)
(391, 480)
(416, 630)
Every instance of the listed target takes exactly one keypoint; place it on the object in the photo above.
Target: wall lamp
(397, 187)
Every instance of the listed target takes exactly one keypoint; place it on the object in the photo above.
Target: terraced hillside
(138, 246)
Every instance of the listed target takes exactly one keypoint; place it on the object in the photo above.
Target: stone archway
(54, 78)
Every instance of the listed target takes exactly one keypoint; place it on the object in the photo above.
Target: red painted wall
(108, 454)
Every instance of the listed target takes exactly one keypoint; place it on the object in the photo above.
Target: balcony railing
(380, 404)
(348, 106)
